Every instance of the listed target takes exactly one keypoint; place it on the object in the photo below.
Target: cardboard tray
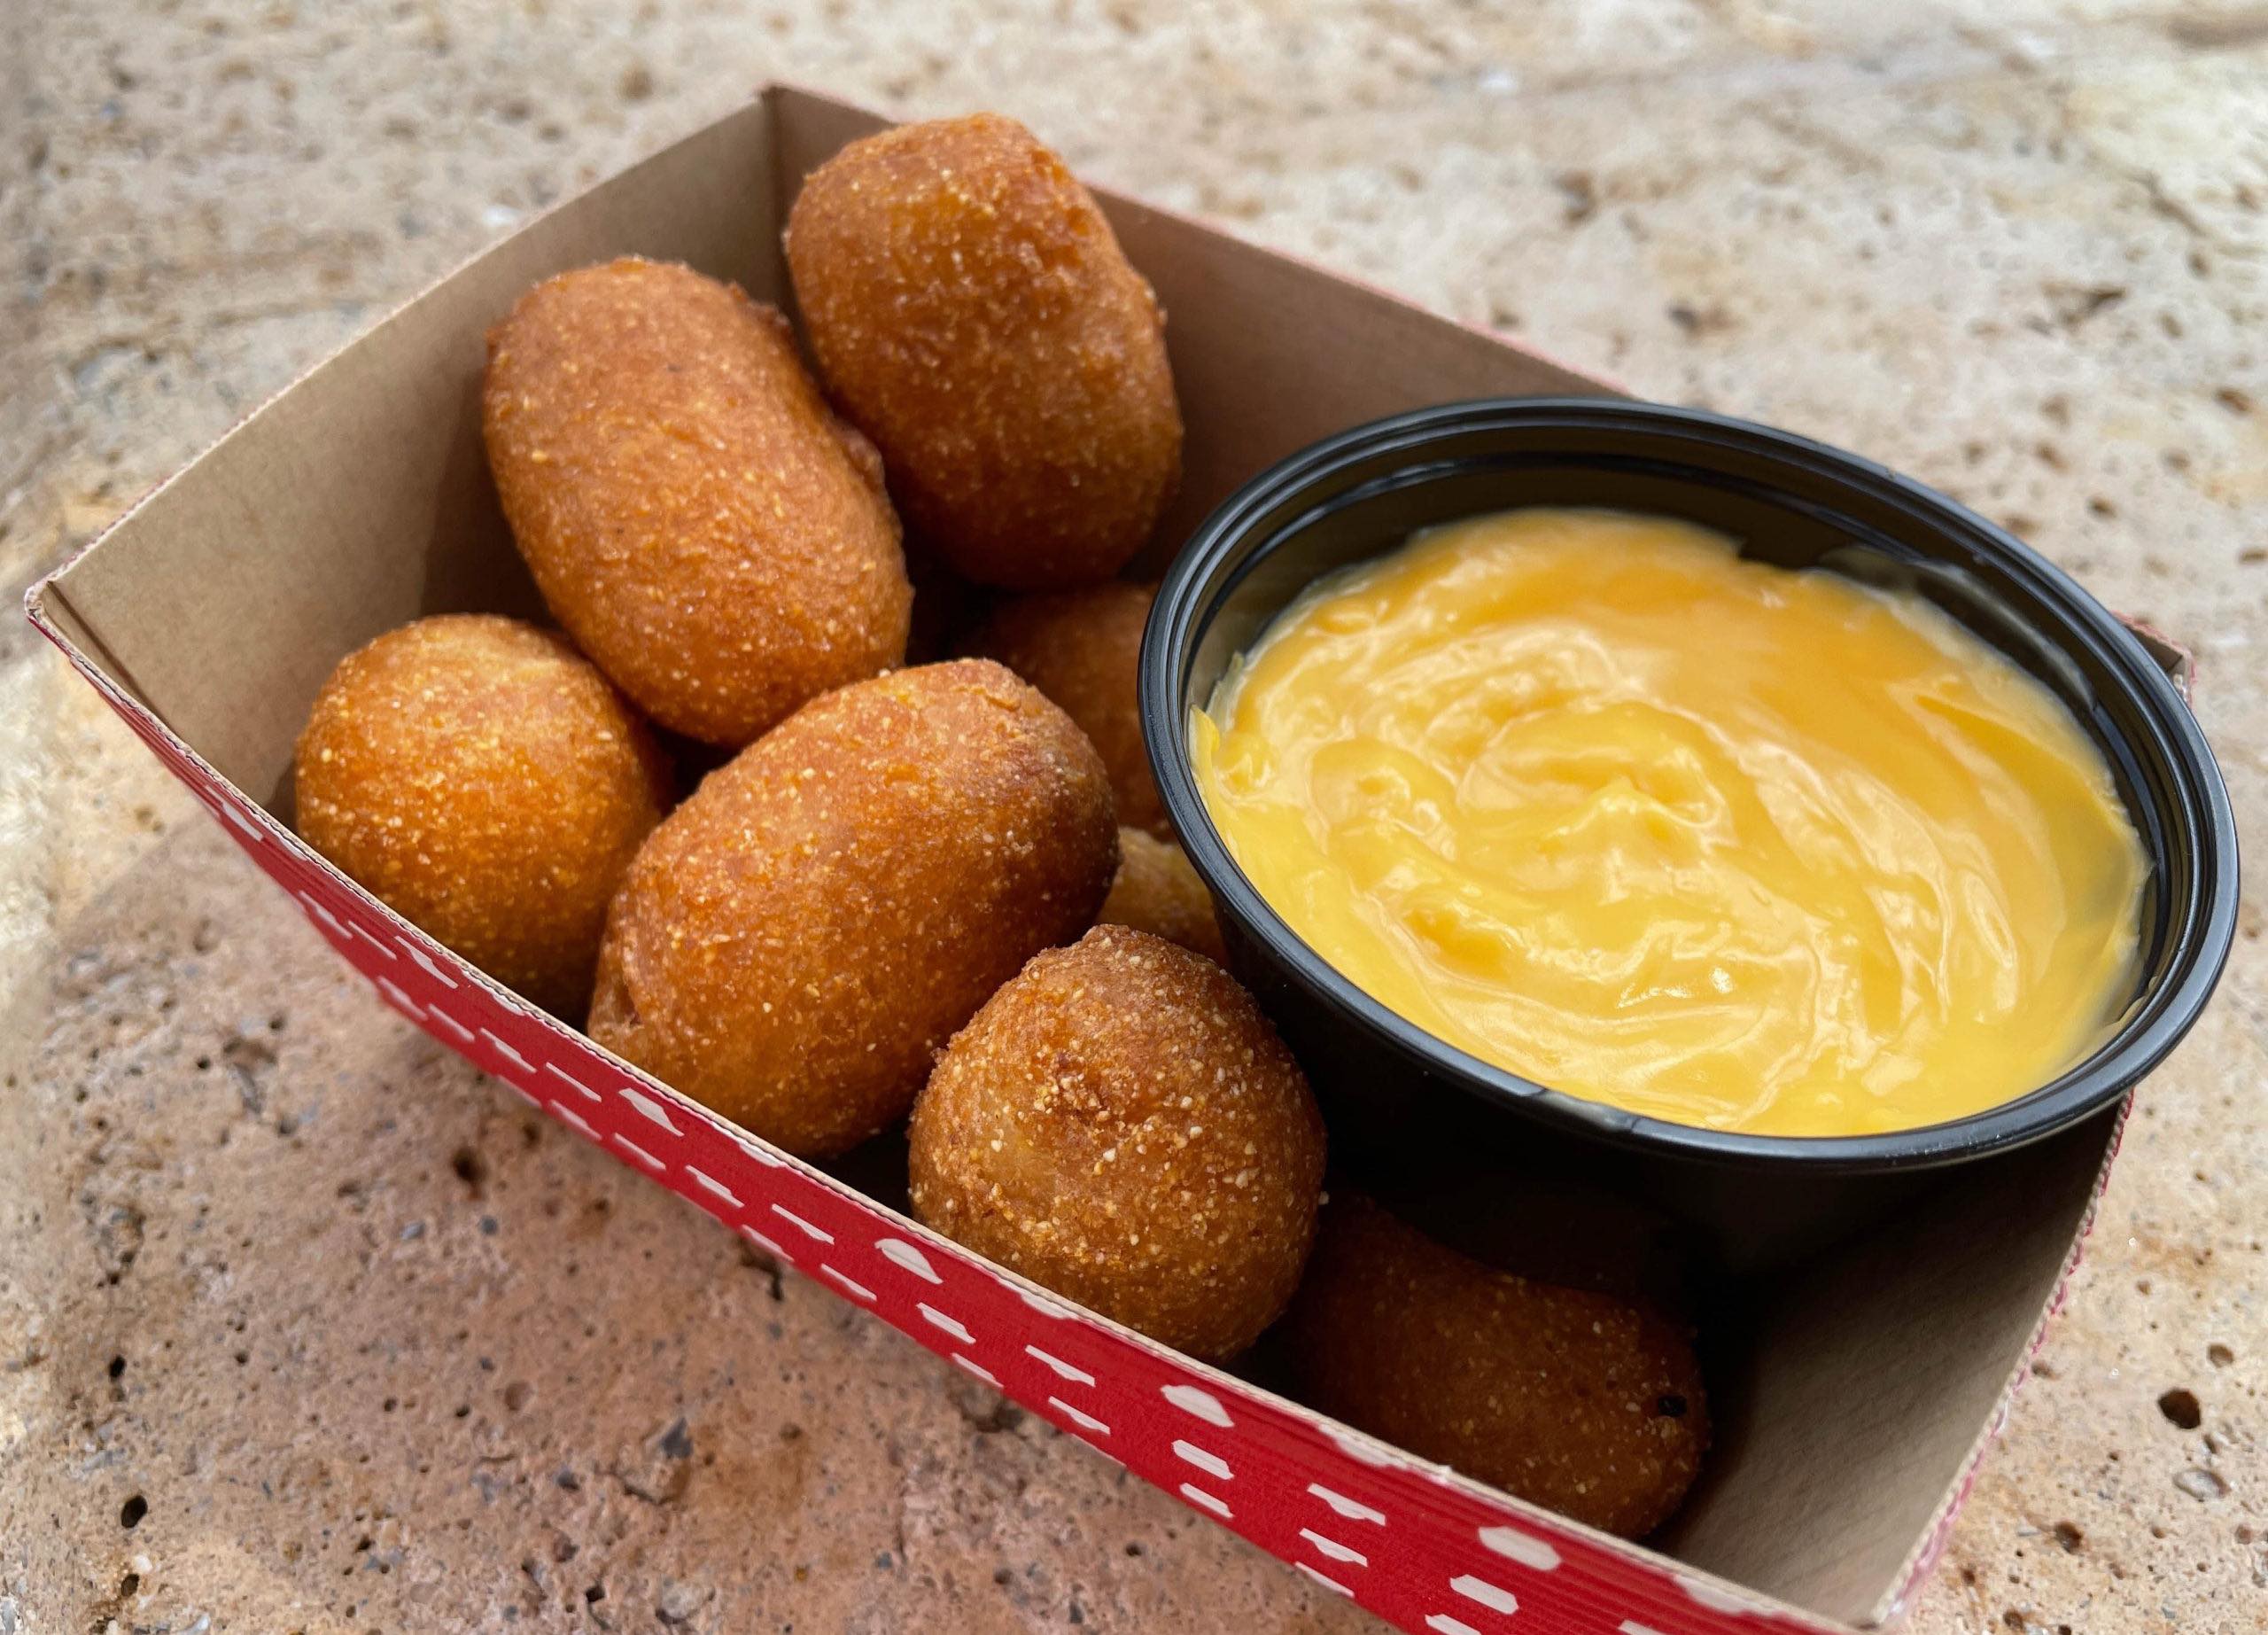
(1853, 1401)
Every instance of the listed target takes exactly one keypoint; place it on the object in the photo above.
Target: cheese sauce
(1590, 796)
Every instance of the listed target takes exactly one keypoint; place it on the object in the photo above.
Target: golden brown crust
(693, 513)
(1121, 1123)
(1158, 892)
(794, 943)
(973, 314)
(1083, 648)
(481, 779)
(1579, 1402)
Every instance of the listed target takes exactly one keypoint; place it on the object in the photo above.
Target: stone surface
(302, 1327)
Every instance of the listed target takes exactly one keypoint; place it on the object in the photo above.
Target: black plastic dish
(1789, 501)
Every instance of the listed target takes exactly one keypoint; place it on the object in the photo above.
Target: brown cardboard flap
(2178, 663)
(1851, 1398)
(1867, 1380)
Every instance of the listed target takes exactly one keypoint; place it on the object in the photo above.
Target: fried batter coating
(972, 312)
(794, 943)
(1122, 1125)
(1579, 1402)
(1158, 892)
(481, 778)
(1084, 650)
(701, 524)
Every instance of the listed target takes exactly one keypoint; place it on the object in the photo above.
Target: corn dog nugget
(481, 778)
(692, 514)
(1157, 890)
(1121, 1125)
(1083, 648)
(1576, 1401)
(795, 942)
(972, 312)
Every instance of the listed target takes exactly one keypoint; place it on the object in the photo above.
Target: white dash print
(507, 1053)
(1486, 1593)
(1515, 1546)
(1198, 1496)
(1039, 1303)
(904, 1256)
(1333, 1548)
(557, 1072)
(977, 1369)
(1078, 1416)
(817, 1234)
(1328, 1583)
(449, 1022)
(849, 1285)
(646, 1104)
(1353, 1510)
(320, 914)
(950, 1325)
(568, 1116)
(1709, 1595)
(769, 1160)
(711, 1184)
(768, 1246)
(392, 990)
(1076, 1374)
(1631, 1626)
(1203, 1403)
(1211, 1464)
(1441, 1623)
(636, 1151)
(355, 926)
(1357, 1448)
(229, 810)
(427, 966)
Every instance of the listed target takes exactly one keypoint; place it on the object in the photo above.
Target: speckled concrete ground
(302, 1327)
